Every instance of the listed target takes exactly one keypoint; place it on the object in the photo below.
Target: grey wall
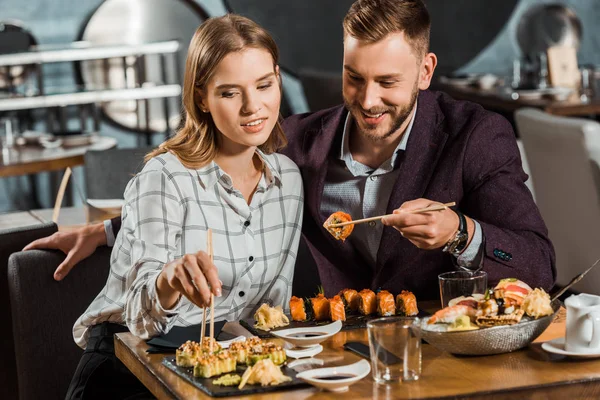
(469, 35)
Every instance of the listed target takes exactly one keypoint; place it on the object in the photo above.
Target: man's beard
(401, 116)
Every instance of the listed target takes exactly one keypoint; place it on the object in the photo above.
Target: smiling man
(396, 146)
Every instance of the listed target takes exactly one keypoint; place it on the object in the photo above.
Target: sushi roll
(320, 306)
(350, 298)
(513, 291)
(385, 304)
(241, 349)
(297, 309)
(187, 354)
(341, 232)
(266, 350)
(367, 302)
(211, 365)
(337, 309)
(406, 304)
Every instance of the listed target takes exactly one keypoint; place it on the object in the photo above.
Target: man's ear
(426, 73)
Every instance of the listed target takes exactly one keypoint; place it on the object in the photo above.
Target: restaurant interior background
(467, 36)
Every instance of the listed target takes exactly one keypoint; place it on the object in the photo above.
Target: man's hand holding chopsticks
(426, 230)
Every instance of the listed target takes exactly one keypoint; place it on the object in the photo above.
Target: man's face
(381, 83)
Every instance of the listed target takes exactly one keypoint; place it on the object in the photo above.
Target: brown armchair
(11, 241)
(43, 314)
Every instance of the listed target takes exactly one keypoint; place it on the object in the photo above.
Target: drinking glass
(461, 283)
(395, 345)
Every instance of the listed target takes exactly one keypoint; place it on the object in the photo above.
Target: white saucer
(346, 376)
(303, 352)
(557, 346)
(309, 336)
(226, 343)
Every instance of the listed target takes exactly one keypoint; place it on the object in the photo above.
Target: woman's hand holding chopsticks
(193, 276)
(426, 230)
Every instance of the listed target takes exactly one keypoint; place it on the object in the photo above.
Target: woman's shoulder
(165, 163)
(281, 163)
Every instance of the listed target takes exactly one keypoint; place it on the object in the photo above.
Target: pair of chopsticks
(437, 207)
(209, 249)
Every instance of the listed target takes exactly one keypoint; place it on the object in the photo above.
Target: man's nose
(369, 96)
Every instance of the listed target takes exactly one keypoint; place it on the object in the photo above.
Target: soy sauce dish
(309, 336)
(336, 379)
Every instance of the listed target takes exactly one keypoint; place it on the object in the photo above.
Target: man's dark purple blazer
(457, 151)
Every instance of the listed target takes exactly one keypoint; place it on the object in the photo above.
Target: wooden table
(528, 373)
(24, 160)
(69, 217)
(500, 101)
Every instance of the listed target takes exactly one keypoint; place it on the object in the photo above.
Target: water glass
(395, 345)
(461, 283)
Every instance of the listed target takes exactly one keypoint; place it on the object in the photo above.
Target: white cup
(583, 323)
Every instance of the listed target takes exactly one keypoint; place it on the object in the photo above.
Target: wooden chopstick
(209, 246)
(437, 207)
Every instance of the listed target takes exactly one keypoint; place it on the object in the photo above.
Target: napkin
(178, 335)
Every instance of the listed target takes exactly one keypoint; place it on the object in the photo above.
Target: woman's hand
(429, 230)
(191, 276)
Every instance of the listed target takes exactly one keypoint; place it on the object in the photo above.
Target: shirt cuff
(110, 235)
(161, 314)
(469, 257)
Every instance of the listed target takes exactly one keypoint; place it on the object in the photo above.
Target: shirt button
(242, 293)
(372, 224)
(373, 177)
(247, 223)
(250, 258)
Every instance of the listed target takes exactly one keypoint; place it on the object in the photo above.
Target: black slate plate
(353, 321)
(206, 385)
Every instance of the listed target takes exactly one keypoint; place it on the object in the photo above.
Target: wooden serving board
(206, 385)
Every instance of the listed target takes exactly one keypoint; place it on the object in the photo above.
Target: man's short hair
(373, 20)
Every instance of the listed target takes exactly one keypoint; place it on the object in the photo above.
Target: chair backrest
(564, 155)
(321, 89)
(107, 172)
(12, 241)
(44, 312)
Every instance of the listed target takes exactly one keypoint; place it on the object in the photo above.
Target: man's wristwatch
(460, 239)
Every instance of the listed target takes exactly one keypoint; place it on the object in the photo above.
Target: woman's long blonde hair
(196, 143)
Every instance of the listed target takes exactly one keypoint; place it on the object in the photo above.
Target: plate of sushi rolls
(353, 308)
(211, 368)
(507, 318)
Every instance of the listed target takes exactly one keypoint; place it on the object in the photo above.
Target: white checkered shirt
(168, 209)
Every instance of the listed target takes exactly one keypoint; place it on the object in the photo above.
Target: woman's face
(243, 98)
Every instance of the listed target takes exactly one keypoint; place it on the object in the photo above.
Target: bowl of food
(508, 318)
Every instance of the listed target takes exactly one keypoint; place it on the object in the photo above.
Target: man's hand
(76, 244)
(191, 275)
(430, 230)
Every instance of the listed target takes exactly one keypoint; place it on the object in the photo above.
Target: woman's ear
(200, 101)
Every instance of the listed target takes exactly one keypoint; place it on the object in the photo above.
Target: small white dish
(303, 352)
(226, 343)
(309, 336)
(306, 364)
(557, 346)
(336, 379)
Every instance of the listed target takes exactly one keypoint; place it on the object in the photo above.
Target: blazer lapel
(317, 147)
(417, 164)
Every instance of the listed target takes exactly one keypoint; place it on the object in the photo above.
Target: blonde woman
(218, 172)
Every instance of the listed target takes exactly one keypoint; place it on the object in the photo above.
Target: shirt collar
(211, 173)
(346, 155)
